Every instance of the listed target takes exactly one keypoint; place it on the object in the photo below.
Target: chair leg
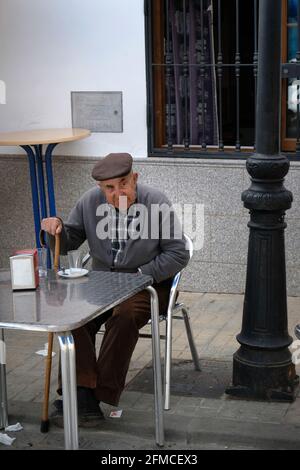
(191, 339)
(69, 385)
(3, 387)
(45, 417)
(159, 417)
(168, 360)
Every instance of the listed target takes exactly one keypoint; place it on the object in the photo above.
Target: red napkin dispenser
(24, 269)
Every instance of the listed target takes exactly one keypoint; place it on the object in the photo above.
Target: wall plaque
(98, 111)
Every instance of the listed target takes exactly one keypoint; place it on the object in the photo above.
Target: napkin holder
(24, 269)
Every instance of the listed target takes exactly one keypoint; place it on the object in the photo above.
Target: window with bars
(202, 58)
(291, 76)
(202, 76)
(202, 73)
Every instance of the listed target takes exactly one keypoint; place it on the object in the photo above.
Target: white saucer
(75, 273)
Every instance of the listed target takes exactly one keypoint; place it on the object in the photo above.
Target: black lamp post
(262, 366)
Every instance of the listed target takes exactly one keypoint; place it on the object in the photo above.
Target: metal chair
(173, 310)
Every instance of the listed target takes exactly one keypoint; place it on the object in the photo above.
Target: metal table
(32, 142)
(60, 305)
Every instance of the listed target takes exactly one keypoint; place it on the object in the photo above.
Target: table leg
(69, 389)
(159, 416)
(34, 192)
(41, 179)
(50, 183)
(37, 178)
(42, 193)
(3, 392)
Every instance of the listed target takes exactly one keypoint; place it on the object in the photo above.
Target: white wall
(49, 48)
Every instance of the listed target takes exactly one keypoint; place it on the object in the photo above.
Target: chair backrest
(86, 259)
(172, 298)
(189, 245)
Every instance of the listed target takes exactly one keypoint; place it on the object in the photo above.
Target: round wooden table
(32, 142)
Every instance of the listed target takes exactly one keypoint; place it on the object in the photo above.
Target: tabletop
(61, 304)
(43, 136)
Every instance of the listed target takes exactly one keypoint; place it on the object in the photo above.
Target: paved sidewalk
(194, 422)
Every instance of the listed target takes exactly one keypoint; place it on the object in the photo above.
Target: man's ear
(135, 177)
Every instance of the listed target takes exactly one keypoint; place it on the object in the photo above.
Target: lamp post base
(263, 375)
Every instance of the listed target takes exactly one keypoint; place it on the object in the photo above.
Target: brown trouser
(107, 374)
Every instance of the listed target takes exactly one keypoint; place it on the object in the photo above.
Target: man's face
(115, 188)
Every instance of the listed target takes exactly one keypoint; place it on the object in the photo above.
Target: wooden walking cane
(45, 416)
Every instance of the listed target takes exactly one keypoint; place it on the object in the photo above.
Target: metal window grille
(202, 74)
(291, 72)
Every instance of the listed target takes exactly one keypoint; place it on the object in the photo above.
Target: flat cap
(114, 165)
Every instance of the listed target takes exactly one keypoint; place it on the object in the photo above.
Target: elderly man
(116, 218)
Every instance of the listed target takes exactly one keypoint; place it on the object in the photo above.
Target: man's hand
(51, 225)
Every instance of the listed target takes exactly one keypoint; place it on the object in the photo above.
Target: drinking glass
(42, 261)
(75, 260)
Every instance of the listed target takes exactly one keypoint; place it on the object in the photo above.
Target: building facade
(187, 80)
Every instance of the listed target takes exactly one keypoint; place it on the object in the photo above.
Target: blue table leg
(39, 203)
(34, 192)
(42, 192)
(50, 183)
(41, 179)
